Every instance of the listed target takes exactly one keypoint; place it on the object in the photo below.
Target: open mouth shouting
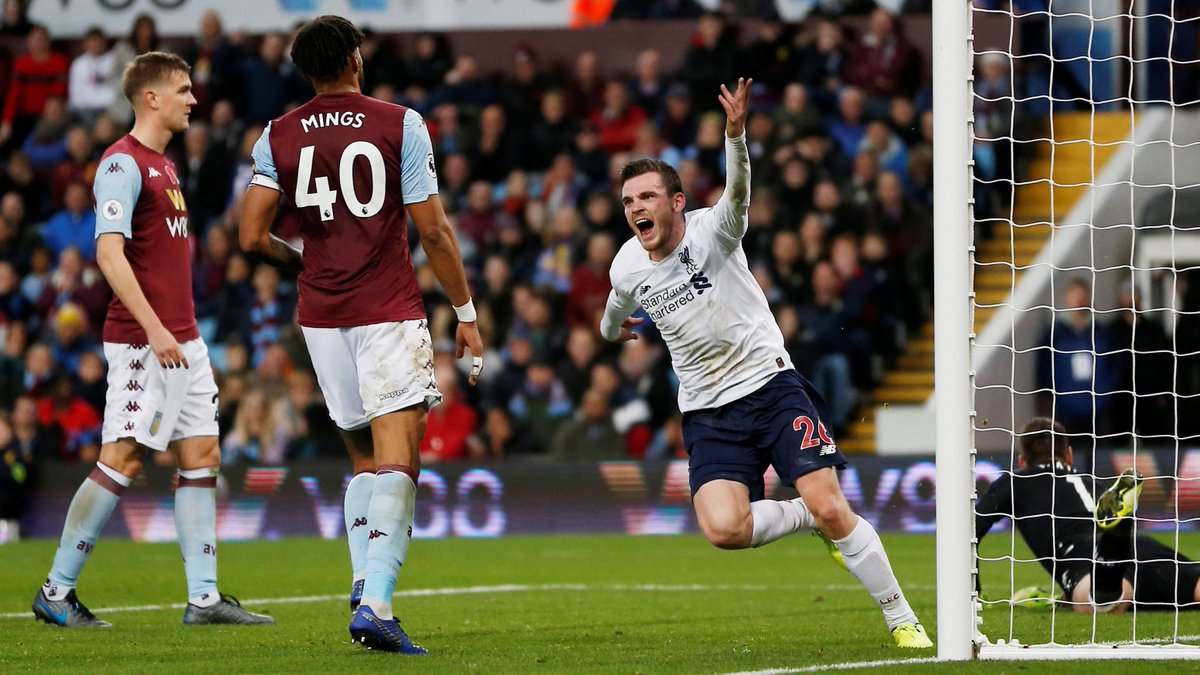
(645, 227)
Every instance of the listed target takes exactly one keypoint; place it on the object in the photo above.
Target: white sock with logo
(868, 562)
(777, 519)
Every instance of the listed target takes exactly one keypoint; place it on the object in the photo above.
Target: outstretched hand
(736, 105)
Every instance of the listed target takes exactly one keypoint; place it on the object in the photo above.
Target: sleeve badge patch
(112, 210)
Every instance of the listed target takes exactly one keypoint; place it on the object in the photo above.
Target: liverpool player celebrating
(161, 392)
(350, 167)
(744, 405)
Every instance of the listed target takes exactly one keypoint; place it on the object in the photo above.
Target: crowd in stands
(528, 153)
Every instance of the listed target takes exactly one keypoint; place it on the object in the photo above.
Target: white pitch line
(840, 666)
(464, 590)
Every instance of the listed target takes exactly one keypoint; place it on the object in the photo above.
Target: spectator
(656, 10)
(306, 414)
(225, 130)
(523, 88)
(204, 177)
(79, 166)
(772, 58)
(143, 37)
(381, 61)
(837, 217)
(828, 339)
(90, 87)
(540, 403)
(267, 314)
(15, 22)
(677, 121)
(12, 366)
(34, 439)
(258, 436)
(552, 134)
(74, 226)
(14, 307)
(208, 273)
(431, 61)
(39, 369)
(788, 272)
(270, 82)
(1080, 367)
(796, 116)
(19, 177)
(46, 144)
(585, 88)
(215, 65)
(821, 63)
(16, 476)
(557, 259)
(70, 339)
(849, 128)
(590, 434)
(496, 151)
(617, 120)
(861, 188)
(1146, 406)
(907, 226)
(38, 277)
(452, 424)
(38, 75)
(648, 85)
(73, 420)
(710, 60)
(90, 384)
(885, 146)
(78, 283)
(501, 437)
(466, 87)
(590, 285)
(883, 63)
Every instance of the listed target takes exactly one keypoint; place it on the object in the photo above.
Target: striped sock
(196, 525)
(90, 509)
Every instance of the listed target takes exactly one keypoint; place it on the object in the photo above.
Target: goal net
(1067, 234)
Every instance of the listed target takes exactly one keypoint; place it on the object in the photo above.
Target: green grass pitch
(522, 605)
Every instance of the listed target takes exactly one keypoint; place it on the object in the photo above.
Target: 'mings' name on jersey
(710, 310)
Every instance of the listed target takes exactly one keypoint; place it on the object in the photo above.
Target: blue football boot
(384, 635)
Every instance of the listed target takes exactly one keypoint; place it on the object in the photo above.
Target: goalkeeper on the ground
(1087, 544)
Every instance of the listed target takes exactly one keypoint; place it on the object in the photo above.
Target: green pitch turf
(519, 605)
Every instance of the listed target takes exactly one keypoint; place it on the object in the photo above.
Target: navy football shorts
(778, 425)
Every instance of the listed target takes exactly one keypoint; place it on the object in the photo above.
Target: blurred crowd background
(528, 153)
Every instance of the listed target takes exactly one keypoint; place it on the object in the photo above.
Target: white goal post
(1102, 237)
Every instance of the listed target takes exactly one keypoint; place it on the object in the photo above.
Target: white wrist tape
(466, 313)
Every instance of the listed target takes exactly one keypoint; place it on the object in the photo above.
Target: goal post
(952, 216)
(1090, 178)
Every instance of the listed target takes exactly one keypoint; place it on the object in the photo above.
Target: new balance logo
(136, 364)
(153, 173)
(643, 290)
(827, 449)
(132, 406)
(358, 521)
(133, 386)
(114, 168)
(375, 534)
(700, 282)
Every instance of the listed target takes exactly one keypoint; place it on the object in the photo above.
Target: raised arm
(734, 205)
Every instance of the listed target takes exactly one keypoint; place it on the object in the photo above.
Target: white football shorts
(155, 405)
(368, 371)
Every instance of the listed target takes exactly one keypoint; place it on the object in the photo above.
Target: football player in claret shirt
(161, 392)
(1087, 544)
(744, 405)
(348, 171)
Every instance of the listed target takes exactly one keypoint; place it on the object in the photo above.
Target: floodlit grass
(521, 605)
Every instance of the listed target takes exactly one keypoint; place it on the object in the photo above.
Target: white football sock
(776, 519)
(868, 562)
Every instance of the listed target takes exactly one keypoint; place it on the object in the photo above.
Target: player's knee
(728, 534)
(834, 517)
(125, 458)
